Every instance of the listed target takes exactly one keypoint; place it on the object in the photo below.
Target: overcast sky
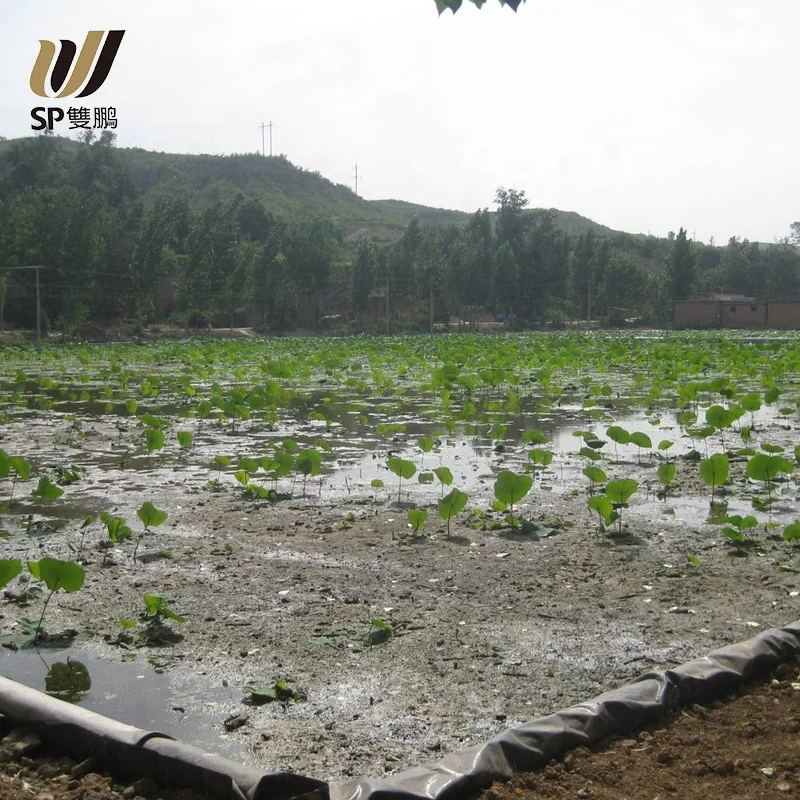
(644, 115)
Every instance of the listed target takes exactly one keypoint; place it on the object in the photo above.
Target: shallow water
(184, 704)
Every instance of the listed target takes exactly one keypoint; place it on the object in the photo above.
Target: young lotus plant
(445, 477)
(766, 468)
(642, 442)
(618, 435)
(154, 440)
(9, 569)
(308, 462)
(751, 402)
(425, 443)
(56, 574)
(540, 458)
(278, 465)
(735, 527)
(619, 492)
(46, 490)
(666, 474)
(117, 530)
(220, 461)
(450, 505)
(509, 489)
(185, 440)
(791, 533)
(16, 466)
(596, 476)
(416, 519)
(534, 437)
(604, 509)
(151, 517)
(403, 469)
(714, 472)
(157, 610)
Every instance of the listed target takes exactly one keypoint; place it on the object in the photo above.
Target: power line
(263, 126)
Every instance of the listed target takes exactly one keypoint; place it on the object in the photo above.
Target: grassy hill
(287, 190)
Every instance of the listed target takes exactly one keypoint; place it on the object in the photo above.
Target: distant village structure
(737, 311)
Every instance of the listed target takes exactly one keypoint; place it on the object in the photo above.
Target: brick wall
(783, 315)
(693, 314)
(743, 314)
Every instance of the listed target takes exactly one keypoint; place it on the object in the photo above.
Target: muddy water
(490, 627)
(138, 691)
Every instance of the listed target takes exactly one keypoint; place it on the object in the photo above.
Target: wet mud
(489, 627)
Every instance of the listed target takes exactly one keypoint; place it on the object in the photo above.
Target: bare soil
(744, 748)
(747, 748)
(28, 772)
(491, 628)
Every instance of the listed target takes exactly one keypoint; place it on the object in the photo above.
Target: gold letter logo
(60, 85)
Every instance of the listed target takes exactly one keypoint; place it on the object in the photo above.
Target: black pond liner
(132, 753)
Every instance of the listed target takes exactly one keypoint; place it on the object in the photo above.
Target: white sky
(645, 115)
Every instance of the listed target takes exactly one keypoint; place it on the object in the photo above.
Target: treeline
(116, 253)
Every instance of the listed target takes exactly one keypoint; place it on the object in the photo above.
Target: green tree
(510, 225)
(709, 274)
(625, 281)
(432, 261)
(543, 262)
(454, 5)
(505, 288)
(268, 281)
(309, 252)
(756, 271)
(581, 272)
(477, 264)
(3, 296)
(406, 258)
(213, 256)
(681, 267)
(362, 276)
(601, 261)
(36, 161)
(255, 222)
(781, 262)
(736, 265)
(160, 235)
(659, 305)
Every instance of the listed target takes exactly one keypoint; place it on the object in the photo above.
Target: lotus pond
(344, 556)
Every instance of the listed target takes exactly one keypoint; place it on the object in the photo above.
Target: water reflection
(67, 680)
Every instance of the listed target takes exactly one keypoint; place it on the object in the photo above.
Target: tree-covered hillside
(239, 240)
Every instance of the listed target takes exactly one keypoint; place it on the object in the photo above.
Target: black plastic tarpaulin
(528, 747)
(132, 753)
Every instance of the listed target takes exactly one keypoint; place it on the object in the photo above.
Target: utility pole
(355, 173)
(430, 309)
(589, 304)
(38, 294)
(263, 148)
(387, 306)
(38, 310)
